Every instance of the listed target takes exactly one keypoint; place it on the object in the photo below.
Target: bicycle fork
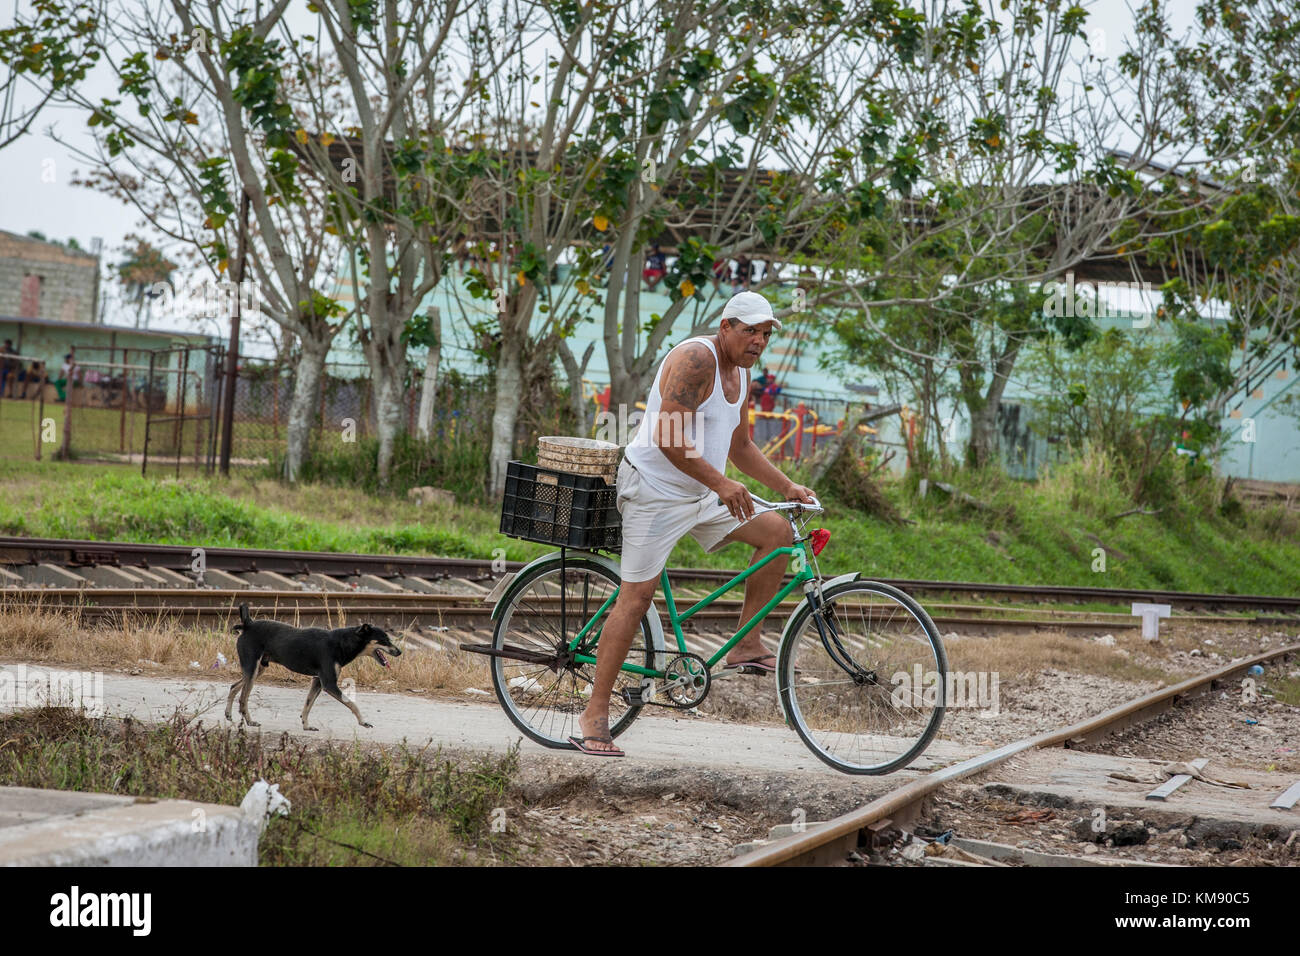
(830, 639)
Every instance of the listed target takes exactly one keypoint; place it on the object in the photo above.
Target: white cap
(751, 309)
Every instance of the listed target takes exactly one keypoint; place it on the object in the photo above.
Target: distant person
(769, 427)
(65, 373)
(721, 273)
(606, 263)
(33, 376)
(8, 366)
(744, 274)
(656, 267)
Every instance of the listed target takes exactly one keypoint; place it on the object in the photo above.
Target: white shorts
(653, 525)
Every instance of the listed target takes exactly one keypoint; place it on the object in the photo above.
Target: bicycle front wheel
(865, 690)
(544, 701)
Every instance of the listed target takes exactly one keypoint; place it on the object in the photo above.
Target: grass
(1051, 532)
(167, 647)
(350, 805)
(106, 433)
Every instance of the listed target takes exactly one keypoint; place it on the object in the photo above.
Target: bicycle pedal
(634, 696)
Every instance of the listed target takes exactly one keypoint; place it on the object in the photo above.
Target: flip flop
(580, 741)
(756, 666)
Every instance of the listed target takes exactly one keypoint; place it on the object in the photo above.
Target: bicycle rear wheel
(540, 699)
(861, 691)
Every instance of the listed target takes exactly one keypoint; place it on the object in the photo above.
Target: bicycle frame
(801, 577)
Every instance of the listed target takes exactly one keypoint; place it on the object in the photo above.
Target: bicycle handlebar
(814, 508)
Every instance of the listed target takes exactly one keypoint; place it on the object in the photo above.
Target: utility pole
(232, 355)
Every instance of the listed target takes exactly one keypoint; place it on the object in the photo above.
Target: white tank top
(709, 430)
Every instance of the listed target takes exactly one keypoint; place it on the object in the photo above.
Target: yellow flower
(600, 222)
(521, 277)
(688, 288)
(583, 286)
(326, 139)
(302, 135)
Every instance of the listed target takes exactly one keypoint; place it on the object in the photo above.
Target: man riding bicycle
(673, 482)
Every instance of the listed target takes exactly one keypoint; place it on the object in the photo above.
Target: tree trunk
(303, 405)
(505, 412)
(574, 370)
(430, 389)
(388, 417)
(983, 409)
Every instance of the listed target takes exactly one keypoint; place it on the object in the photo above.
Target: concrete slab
(23, 805)
(172, 579)
(107, 576)
(269, 579)
(215, 578)
(321, 582)
(61, 828)
(419, 585)
(1014, 854)
(150, 577)
(49, 576)
(10, 580)
(1073, 778)
(373, 583)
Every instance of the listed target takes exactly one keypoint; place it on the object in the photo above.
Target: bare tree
(51, 46)
(384, 151)
(994, 170)
(210, 119)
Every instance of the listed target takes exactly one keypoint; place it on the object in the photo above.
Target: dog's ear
(365, 630)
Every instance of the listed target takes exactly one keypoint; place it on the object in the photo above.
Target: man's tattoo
(689, 380)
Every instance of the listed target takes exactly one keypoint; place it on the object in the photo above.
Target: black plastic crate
(555, 507)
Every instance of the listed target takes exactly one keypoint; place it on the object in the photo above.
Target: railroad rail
(401, 609)
(833, 840)
(16, 551)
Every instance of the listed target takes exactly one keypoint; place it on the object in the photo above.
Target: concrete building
(40, 279)
(49, 297)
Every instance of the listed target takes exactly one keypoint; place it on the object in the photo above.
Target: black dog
(307, 650)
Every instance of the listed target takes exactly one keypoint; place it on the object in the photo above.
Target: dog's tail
(244, 619)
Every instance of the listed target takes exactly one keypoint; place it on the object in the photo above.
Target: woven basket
(578, 456)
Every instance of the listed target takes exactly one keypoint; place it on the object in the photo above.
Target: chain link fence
(115, 404)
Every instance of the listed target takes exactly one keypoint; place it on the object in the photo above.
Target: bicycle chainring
(687, 682)
(685, 685)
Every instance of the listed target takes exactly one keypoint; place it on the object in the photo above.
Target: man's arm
(746, 456)
(687, 382)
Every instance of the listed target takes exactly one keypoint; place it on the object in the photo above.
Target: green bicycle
(849, 665)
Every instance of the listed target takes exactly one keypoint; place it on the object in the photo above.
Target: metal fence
(161, 409)
(115, 404)
(345, 404)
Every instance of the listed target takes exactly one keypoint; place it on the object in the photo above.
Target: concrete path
(653, 740)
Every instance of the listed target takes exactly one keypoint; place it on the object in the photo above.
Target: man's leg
(766, 533)
(615, 641)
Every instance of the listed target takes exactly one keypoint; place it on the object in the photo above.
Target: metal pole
(148, 414)
(232, 357)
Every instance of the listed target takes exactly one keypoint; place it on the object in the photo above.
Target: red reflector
(819, 539)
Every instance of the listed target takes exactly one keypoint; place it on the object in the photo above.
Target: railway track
(832, 841)
(26, 562)
(436, 601)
